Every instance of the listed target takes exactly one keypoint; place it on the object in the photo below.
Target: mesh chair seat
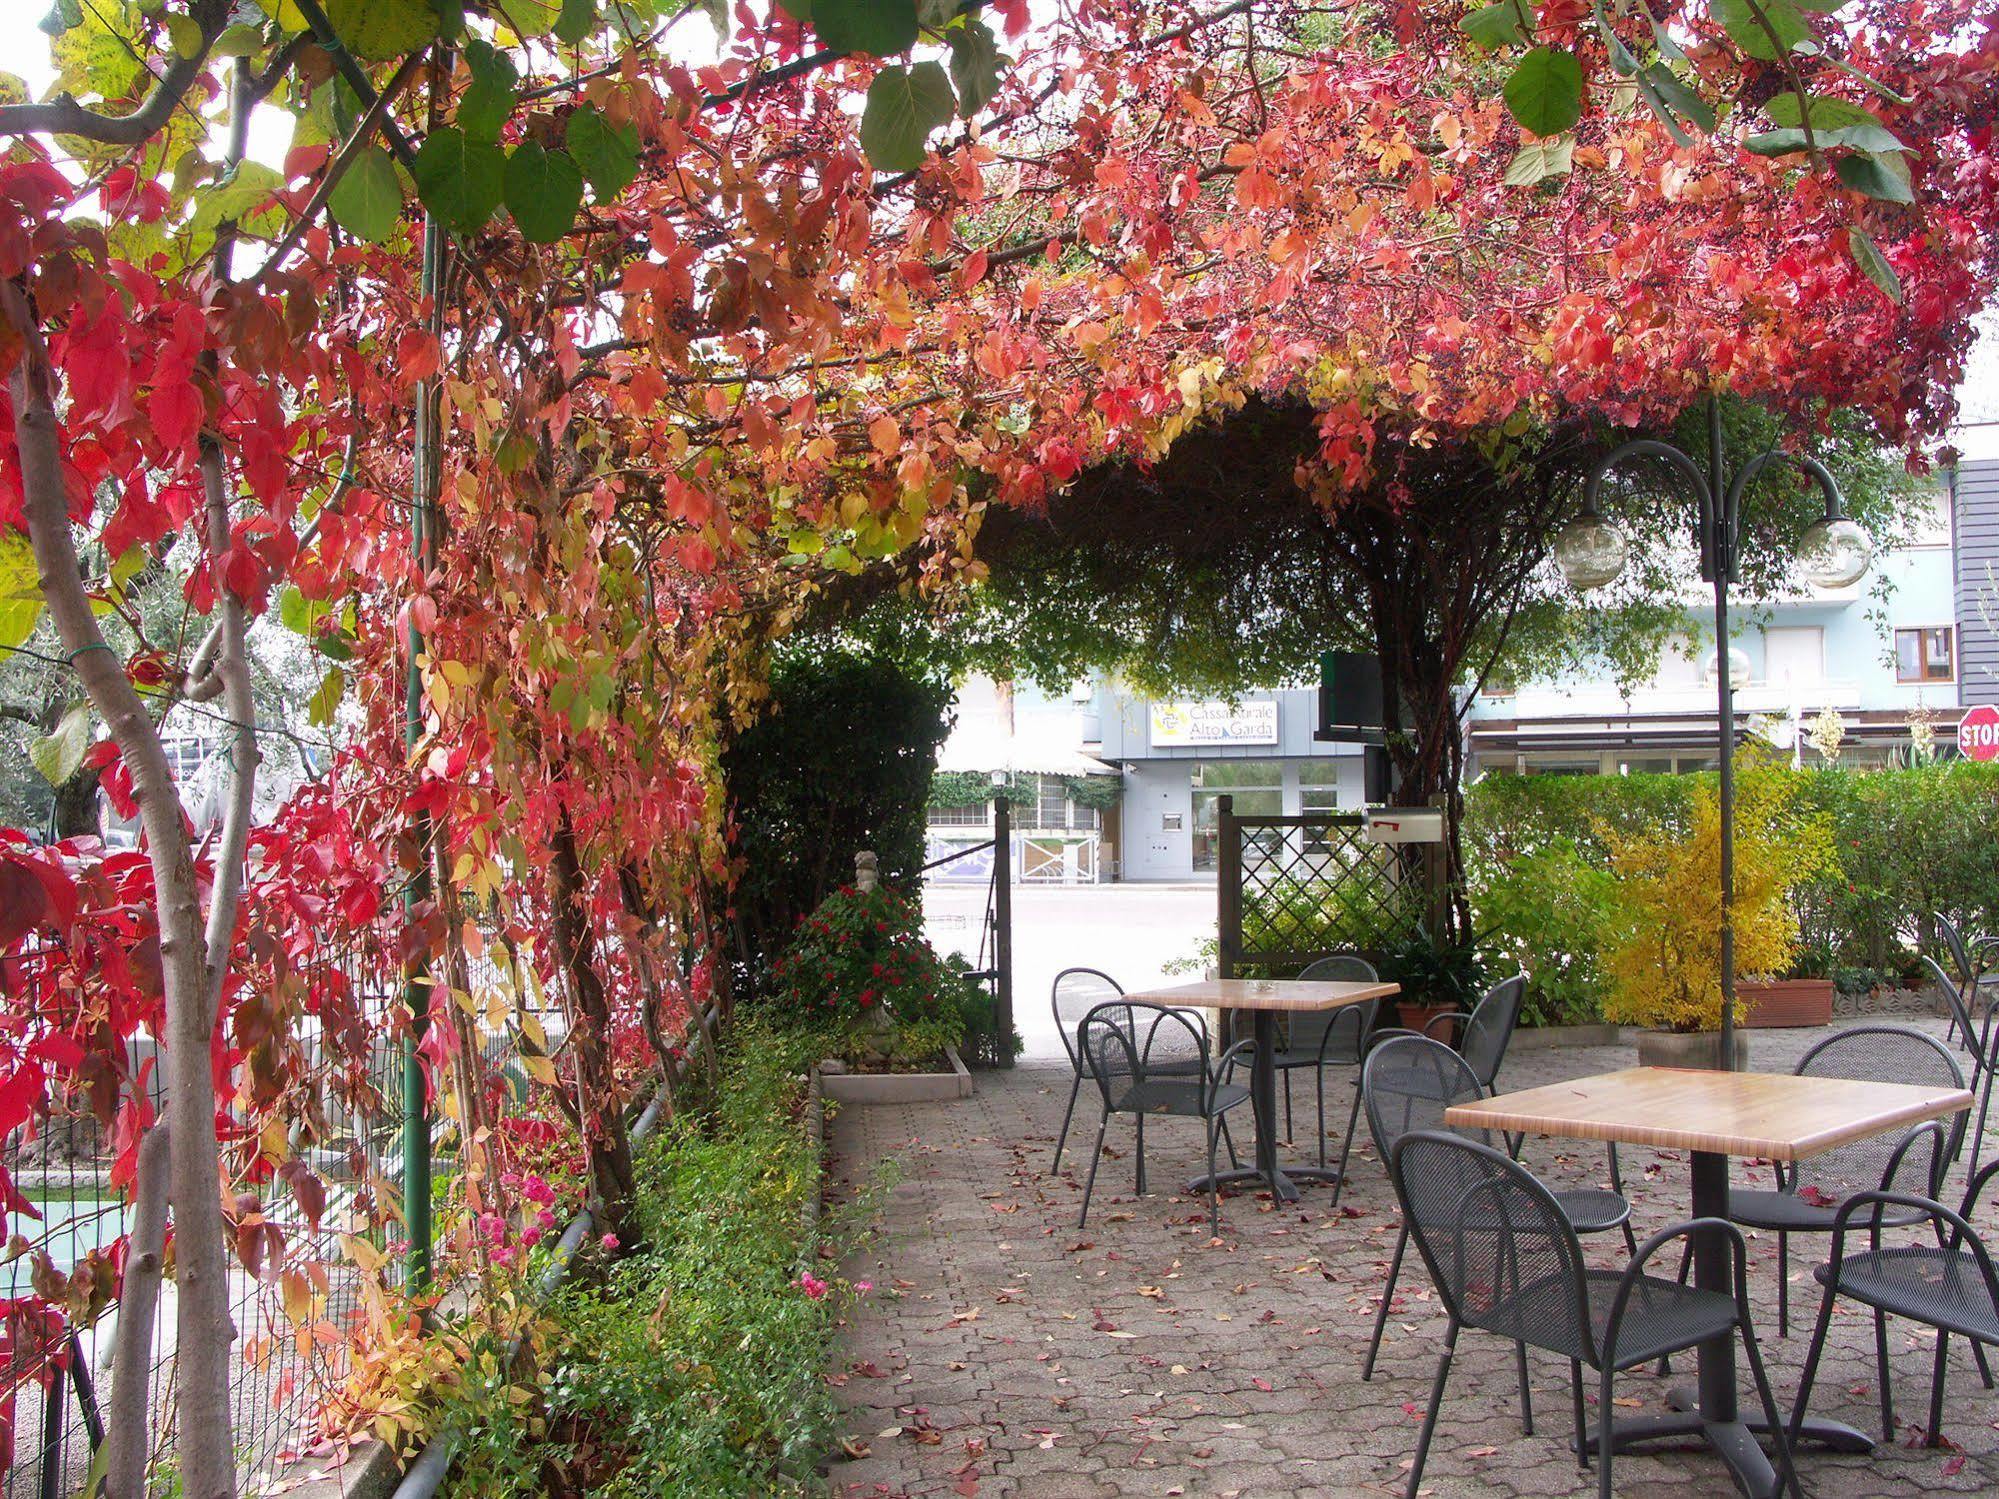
(1788, 1211)
(1593, 1210)
(1662, 1316)
(1925, 1284)
(1158, 1095)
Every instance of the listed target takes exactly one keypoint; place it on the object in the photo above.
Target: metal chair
(1148, 1059)
(1408, 1082)
(1950, 1286)
(1487, 1030)
(1330, 1038)
(1972, 959)
(1505, 1259)
(1809, 1193)
(1977, 1041)
(1075, 993)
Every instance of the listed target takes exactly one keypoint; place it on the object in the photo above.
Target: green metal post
(416, 989)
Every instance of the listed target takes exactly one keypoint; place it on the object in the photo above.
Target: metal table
(1266, 999)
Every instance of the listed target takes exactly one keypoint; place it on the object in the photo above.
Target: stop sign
(1978, 734)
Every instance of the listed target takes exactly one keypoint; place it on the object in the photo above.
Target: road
(1129, 931)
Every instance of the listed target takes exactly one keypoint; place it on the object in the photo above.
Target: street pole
(1719, 545)
(416, 980)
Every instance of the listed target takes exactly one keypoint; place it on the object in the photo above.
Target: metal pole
(1228, 888)
(416, 982)
(1720, 547)
(1003, 922)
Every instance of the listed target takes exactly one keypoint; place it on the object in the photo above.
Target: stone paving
(1003, 1352)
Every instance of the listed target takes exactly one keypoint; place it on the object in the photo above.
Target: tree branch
(62, 115)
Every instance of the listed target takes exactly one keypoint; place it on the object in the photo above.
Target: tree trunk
(603, 1122)
(205, 1444)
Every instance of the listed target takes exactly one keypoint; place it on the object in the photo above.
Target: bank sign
(1178, 724)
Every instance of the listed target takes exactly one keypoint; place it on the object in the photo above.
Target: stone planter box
(1547, 1037)
(1771, 1004)
(1699, 1049)
(842, 1086)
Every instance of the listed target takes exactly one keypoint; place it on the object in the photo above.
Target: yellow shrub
(1664, 956)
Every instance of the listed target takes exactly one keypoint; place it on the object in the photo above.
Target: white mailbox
(1403, 824)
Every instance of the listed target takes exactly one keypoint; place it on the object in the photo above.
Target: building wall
(1976, 540)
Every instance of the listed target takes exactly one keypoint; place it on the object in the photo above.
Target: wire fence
(292, 1306)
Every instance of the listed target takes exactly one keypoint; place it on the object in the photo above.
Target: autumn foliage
(743, 363)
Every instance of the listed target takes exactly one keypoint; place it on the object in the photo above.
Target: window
(1926, 655)
(960, 817)
(1256, 785)
(1319, 786)
(1563, 767)
(1051, 805)
(1794, 656)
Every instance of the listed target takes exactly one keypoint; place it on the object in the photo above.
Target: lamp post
(1591, 552)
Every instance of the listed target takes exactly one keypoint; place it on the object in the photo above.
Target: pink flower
(538, 1190)
(511, 1180)
(811, 1285)
(610, 1243)
(493, 1226)
(864, 1286)
(531, 1237)
(545, 1218)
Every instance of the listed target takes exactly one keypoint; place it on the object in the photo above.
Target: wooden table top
(1266, 994)
(1775, 1116)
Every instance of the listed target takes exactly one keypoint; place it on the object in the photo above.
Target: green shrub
(1550, 912)
(695, 1369)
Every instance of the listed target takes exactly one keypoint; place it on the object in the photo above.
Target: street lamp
(1834, 552)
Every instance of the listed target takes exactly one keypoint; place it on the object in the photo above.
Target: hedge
(1910, 843)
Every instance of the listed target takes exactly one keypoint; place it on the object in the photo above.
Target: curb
(898, 1087)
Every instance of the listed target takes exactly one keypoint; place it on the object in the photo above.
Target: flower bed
(694, 1365)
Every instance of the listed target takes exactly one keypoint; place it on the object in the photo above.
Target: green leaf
(977, 66)
(325, 701)
(377, 30)
(1834, 121)
(1775, 142)
(368, 201)
(798, 10)
(577, 20)
(904, 106)
(239, 40)
(244, 190)
(300, 614)
(1621, 57)
(544, 190)
(876, 27)
(459, 179)
(1539, 160)
(1545, 93)
(1496, 26)
(185, 33)
(489, 98)
(62, 15)
(1883, 177)
(20, 591)
(59, 756)
(1867, 255)
(1648, 90)
(607, 153)
(1739, 20)
(1682, 99)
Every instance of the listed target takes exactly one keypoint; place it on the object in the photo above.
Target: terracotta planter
(1417, 1016)
(1689, 1049)
(1768, 1004)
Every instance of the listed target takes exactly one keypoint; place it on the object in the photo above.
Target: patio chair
(1148, 1059)
(1329, 1038)
(1408, 1083)
(1075, 993)
(1949, 1286)
(1972, 960)
(1809, 1193)
(1505, 1259)
(1977, 1041)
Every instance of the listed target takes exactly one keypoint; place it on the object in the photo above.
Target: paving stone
(1137, 1357)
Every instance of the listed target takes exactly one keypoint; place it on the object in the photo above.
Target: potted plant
(1437, 975)
(1801, 996)
(1663, 951)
